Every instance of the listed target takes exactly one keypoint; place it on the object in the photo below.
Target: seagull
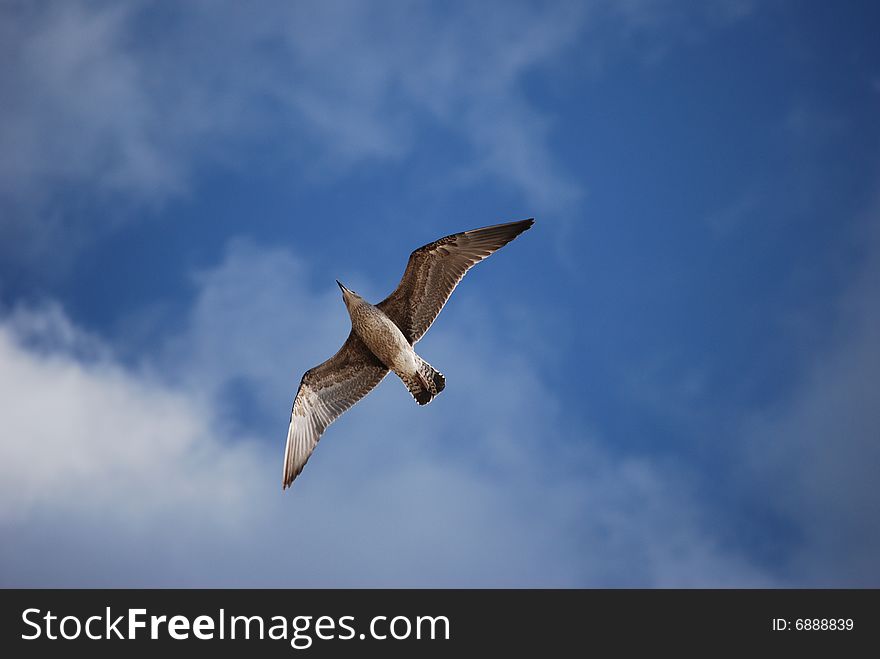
(382, 338)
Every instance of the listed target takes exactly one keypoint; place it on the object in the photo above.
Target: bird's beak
(342, 288)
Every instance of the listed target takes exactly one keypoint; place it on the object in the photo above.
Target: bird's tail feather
(425, 383)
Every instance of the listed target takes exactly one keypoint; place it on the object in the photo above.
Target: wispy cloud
(78, 108)
(106, 101)
(123, 103)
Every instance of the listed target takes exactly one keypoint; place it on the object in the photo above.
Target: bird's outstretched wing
(325, 392)
(433, 272)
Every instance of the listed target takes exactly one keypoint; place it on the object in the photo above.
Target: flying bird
(382, 338)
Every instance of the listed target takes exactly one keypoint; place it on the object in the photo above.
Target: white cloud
(138, 475)
(83, 433)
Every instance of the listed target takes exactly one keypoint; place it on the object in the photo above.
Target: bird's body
(385, 340)
(380, 335)
(382, 338)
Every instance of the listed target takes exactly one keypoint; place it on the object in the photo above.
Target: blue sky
(669, 381)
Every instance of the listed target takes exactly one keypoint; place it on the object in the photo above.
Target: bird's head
(347, 296)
